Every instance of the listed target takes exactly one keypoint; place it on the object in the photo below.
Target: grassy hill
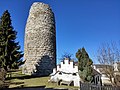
(19, 80)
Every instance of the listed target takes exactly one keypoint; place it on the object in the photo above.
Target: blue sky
(79, 23)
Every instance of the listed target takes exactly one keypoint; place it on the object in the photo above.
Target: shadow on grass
(23, 77)
(17, 83)
(31, 88)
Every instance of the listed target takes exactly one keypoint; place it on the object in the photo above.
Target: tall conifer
(10, 54)
(84, 65)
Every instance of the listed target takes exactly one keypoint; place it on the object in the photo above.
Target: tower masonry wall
(40, 41)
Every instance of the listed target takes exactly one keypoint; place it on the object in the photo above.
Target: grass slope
(19, 80)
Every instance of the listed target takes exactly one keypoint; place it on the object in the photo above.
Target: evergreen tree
(84, 65)
(10, 54)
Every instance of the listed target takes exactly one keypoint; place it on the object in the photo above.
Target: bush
(2, 77)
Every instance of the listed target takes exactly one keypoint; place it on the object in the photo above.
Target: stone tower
(40, 41)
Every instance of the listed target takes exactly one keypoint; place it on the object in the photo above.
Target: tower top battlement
(40, 6)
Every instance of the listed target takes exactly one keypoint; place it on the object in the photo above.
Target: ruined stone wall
(40, 41)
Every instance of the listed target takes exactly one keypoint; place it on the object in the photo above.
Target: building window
(60, 73)
(98, 78)
(74, 74)
(96, 81)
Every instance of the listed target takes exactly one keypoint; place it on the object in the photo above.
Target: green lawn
(19, 80)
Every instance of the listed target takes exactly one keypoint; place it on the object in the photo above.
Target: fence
(87, 86)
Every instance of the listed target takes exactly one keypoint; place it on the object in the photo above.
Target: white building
(117, 66)
(67, 70)
(102, 70)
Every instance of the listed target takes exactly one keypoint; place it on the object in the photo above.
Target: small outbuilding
(67, 73)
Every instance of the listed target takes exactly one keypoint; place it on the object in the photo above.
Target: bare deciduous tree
(66, 55)
(107, 55)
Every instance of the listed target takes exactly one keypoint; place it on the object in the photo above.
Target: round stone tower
(40, 41)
